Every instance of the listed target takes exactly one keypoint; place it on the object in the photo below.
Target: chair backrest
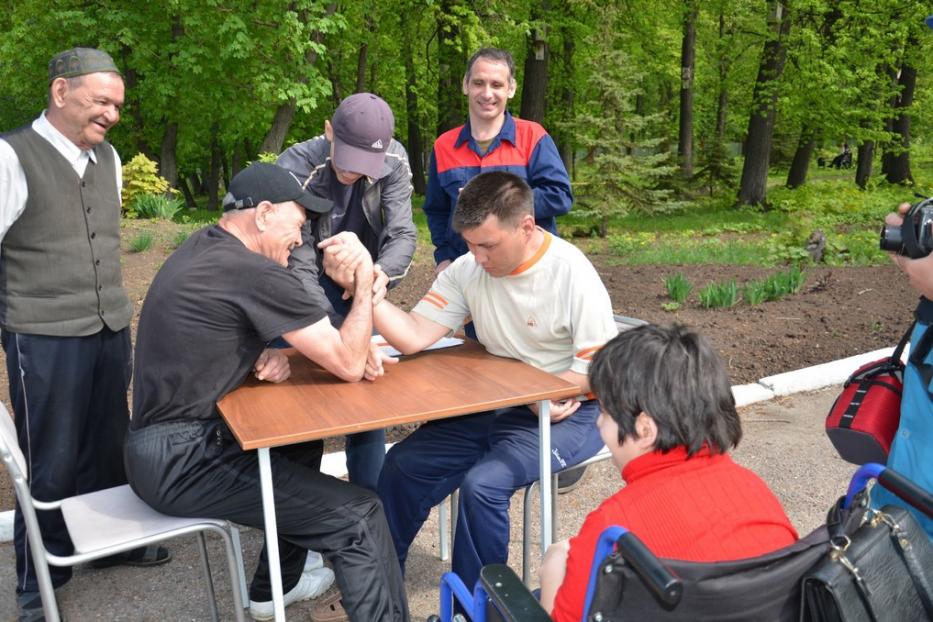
(9, 445)
(760, 588)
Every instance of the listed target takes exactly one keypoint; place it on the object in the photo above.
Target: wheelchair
(628, 582)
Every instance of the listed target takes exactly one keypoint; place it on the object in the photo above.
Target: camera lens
(891, 239)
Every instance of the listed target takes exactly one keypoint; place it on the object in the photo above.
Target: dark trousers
(197, 469)
(488, 456)
(69, 402)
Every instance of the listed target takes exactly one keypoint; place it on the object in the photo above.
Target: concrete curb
(787, 383)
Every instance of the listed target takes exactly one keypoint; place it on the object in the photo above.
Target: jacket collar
(507, 132)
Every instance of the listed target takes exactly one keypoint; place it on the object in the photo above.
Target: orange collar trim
(536, 257)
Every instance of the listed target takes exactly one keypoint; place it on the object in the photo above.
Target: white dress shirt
(13, 188)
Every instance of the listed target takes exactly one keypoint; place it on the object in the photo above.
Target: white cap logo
(377, 144)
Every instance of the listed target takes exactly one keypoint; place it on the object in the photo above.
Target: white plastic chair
(104, 523)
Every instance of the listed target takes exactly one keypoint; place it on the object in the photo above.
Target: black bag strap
(899, 350)
(918, 354)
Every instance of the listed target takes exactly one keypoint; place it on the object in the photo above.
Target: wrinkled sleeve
(401, 235)
(549, 180)
(437, 208)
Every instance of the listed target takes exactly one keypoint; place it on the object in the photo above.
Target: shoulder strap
(919, 352)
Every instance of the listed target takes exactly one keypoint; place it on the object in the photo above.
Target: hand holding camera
(908, 235)
(913, 237)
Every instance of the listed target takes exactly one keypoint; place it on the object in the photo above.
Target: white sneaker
(311, 585)
(313, 561)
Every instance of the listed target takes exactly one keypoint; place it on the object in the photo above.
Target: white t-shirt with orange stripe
(552, 312)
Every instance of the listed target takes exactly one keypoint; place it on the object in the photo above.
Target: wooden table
(314, 404)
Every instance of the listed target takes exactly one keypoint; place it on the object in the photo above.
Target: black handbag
(880, 571)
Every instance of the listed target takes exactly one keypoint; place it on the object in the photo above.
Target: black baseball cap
(263, 181)
(363, 124)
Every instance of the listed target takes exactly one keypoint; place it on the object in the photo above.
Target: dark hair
(492, 54)
(499, 193)
(673, 375)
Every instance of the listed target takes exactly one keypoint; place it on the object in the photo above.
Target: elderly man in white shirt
(64, 314)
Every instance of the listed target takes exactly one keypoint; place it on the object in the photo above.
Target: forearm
(581, 380)
(357, 328)
(553, 570)
(406, 332)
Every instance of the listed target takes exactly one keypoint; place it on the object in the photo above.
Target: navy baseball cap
(263, 181)
(363, 125)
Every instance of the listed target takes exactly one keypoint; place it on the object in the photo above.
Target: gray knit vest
(60, 261)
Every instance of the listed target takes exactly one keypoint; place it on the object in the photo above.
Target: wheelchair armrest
(894, 482)
(510, 600)
(664, 583)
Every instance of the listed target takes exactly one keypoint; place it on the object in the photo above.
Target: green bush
(678, 287)
(719, 295)
(141, 176)
(142, 242)
(157, 206)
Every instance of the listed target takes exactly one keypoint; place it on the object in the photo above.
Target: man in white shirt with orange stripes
(532, 297)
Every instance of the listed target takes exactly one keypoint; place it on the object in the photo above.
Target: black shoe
(569, 479)
(151, 555)
(29, 607)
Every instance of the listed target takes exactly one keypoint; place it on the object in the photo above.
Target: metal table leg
(272, 533)
(544, 432)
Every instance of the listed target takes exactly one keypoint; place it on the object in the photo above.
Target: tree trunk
(564, 139)
(361, 55)
(212, 182)
(534, 85)
(687, 62)
(415, 142)
(168, 163)
(186, 190)
(797, 175)
(285, 113)
(866, 152)
(899, 164)
(450, 68)
(753, 187)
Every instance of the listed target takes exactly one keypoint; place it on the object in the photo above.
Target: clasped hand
(346, 259)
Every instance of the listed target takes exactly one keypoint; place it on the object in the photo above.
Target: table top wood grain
(314, 404)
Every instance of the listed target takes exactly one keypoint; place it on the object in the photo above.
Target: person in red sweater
(668, 418)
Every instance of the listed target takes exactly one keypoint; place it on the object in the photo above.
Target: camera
(914, 237)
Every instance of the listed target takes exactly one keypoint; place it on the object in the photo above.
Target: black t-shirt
(210, 311)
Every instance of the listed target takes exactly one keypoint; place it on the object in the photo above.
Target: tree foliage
(212, 83)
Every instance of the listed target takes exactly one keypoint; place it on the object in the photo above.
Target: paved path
(784, 442)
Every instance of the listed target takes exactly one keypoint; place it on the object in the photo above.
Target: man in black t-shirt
(210, 311)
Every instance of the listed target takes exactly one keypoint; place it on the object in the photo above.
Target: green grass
(141, 242)
(719, 295)
(180, 238)
(678, 287)
(157, 206)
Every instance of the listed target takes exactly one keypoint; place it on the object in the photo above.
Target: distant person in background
(491, 140)
(64, 313)
(364, 172)
(668, 418)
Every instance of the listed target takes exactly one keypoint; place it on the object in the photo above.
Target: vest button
(97, 262)
(89, 210)
(93, 235)
(100, 288)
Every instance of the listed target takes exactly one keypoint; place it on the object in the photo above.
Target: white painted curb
(797, 381)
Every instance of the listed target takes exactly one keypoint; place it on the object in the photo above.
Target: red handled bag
(864, 418)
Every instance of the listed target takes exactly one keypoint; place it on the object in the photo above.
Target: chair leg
(443, 530)
(526, 531)
(454, 510)
(209, 583)
(240, 569)
(235, 569)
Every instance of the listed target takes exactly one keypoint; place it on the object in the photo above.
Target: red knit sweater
(705, 508)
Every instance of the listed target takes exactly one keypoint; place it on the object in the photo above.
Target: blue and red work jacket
(522, 147)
